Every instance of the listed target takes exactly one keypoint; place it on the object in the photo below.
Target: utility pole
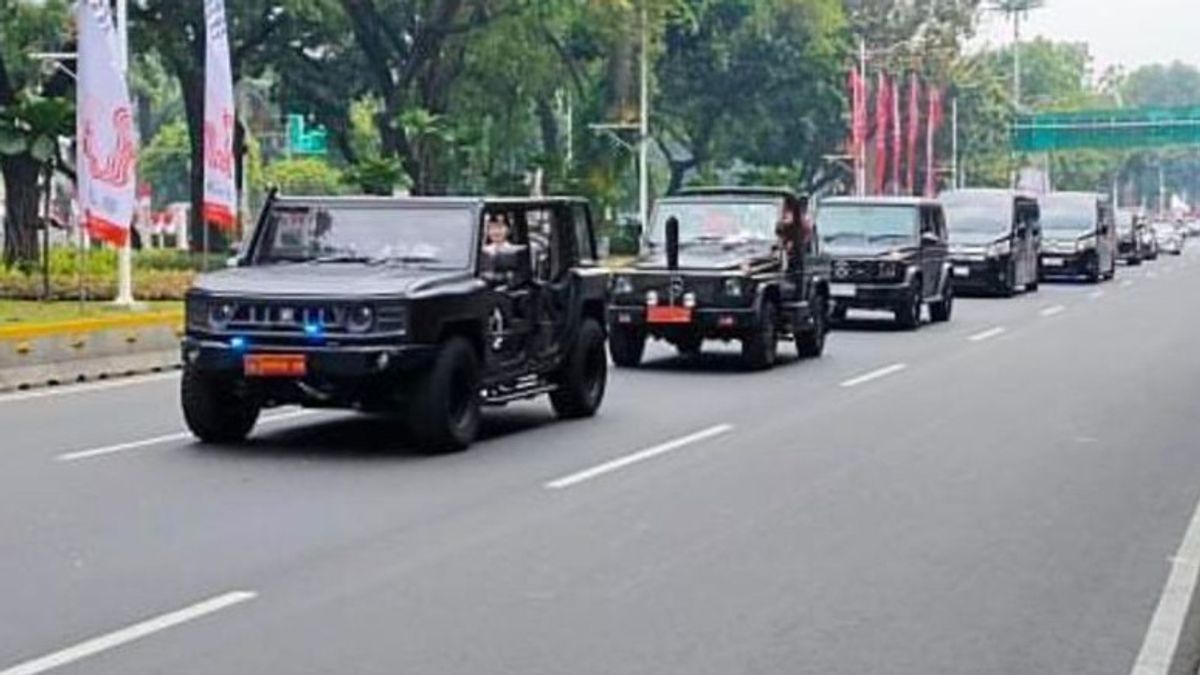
(644, 127)
(125, 260)
(860, 158)
(1017, 60)
(954, 168)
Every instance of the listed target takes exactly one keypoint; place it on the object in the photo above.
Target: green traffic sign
(1107, 129)
(303, 140)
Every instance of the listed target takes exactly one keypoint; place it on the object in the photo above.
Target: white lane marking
(1166, 626)
(988, 334)
(1053, 311)
(159, 440)
(875, 375)
(1096, 295)
(1127, 283)
(635, 458)
(87, 388)
(129, 634)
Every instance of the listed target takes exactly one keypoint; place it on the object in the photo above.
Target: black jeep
(724, 264)
(890, 253)
(428, 308)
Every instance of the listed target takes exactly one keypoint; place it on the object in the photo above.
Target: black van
(1080, 236)
(995, 240)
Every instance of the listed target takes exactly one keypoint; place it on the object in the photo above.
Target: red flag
(935, 123)
(858, 120)
(896, 136)
(883, 122)
(914, 131)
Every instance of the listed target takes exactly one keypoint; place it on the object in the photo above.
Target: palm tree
(1015, 10)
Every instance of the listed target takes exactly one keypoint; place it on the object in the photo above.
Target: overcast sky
(1120, 32)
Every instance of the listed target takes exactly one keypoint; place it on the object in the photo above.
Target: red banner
(936, 116)
(883, 122)
(914, 132)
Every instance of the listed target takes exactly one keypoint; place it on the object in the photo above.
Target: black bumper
(707, 322)
(872, 296)
(213, 355)
(990, 275)
(1086, 264)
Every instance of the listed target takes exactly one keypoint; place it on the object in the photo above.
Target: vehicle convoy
(889, 253)
(1169, 237)
(1079, 237)
(724, 264)
(1132, 244)
(426, 308)
(995, 240)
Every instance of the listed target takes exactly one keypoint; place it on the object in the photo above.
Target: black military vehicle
(724, 264)
(889, 253)
(428, 308)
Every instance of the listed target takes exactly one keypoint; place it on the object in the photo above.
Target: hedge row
(147, 284)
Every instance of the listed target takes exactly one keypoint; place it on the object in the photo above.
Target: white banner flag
(107, 148)
(220, 189)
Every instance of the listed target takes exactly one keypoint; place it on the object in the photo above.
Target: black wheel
(761, 349)
(444, 411)
(218, 409)
(941, 311)
(690, 345)
(838, 313)
(584, 376)
(811, 344)
(908, 315)
(627, 345)
(1135, 261)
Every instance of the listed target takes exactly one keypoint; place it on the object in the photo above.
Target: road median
(59, 352)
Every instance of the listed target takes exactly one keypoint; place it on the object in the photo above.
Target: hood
(715, 258)
(333, 280)
(975, 238)
(871, 252)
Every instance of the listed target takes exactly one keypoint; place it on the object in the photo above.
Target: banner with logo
(220, 188)
(107, 148)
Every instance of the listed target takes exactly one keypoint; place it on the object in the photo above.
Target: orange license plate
(674, 315)
(275, 365)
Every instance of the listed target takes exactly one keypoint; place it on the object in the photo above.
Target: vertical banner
(107, 147)
(896, 136)
(220, 188)
(857, 122)
(914, 132)
(936, 116)
(883, 122)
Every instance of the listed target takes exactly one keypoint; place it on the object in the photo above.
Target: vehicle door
(552, 236)
(1024, 241)
(507, 270)
(1106, 244)
(934, 250)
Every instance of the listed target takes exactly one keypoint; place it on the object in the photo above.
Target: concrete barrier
(74, 351)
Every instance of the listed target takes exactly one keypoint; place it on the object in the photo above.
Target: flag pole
(125, 263)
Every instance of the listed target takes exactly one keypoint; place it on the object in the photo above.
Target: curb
(74, 351)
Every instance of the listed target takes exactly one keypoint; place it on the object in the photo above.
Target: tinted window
(585, 248)
(718, 221)
(978, 213)
(1069, 213)
(872, 222)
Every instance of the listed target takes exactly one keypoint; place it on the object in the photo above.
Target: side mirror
(672, 234)
(930, 238)
(233, 262)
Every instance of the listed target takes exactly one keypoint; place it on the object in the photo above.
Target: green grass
(22, 312)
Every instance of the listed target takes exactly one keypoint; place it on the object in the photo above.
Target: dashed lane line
(637, 457)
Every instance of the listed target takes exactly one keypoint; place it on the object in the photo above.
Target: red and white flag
(914, 132)
(883, 123)
(936, 116)
(107, 147)
(220, 188)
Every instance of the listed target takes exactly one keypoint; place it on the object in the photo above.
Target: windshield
(885, 225)
(978, 214)
(718, 221)
(1069, 215)
(1125, 221)
(429, 236)
(1165, 228)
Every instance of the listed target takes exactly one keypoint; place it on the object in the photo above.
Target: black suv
(428, 308)
(1132, 243)
(724, 264)
(889, 253)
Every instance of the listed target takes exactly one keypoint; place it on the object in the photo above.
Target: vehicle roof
(751, 191)
(461, 201)
(1074, 195)
(1016, 194)
(881, 201)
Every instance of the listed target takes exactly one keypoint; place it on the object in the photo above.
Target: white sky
(1120, 32)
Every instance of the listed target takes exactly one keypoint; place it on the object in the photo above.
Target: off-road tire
(760, 350)
(837, 313)
(908, 315)
(943, 310)
(626, 345)
(810, 344)
(218, 409)
(444, 411)
(583, 378)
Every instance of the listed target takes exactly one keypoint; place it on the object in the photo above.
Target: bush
(147, 284)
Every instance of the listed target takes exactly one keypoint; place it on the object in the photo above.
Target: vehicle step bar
(511, 395)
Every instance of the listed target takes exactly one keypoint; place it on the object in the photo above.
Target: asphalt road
(996, 495)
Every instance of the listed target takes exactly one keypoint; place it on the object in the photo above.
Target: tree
(305, 177)
(34, 111)
(164, 164)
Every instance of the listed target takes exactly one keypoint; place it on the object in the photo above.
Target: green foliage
(376, 176)
(305, 177)
(165, 164)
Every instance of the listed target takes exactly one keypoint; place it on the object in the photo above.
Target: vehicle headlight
(734, 286)
(689, 300)
(651, 298)
(1086, 244)
(1000, 249)
(360, 319)
(220, 314)
(622, 285)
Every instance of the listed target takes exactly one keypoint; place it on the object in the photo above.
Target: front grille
(287, 317)
(862, 271)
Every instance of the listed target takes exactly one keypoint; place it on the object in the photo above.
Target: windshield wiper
(412, 259)
(887, 237)
(337, 258)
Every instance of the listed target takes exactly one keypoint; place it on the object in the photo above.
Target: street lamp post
(125, 263)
